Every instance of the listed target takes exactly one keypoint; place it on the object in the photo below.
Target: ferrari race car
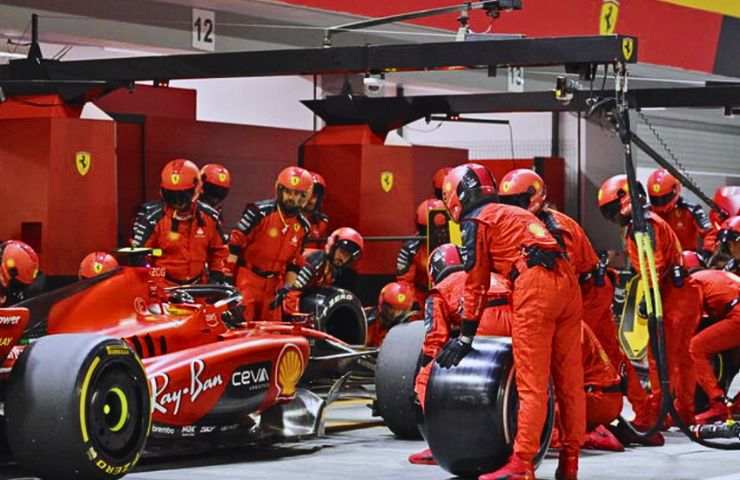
(95, 370)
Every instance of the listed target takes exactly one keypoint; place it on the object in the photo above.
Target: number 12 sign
(204, 30)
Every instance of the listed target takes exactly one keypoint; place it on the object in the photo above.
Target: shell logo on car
(289, 370)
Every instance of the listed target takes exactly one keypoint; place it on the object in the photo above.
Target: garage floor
(357, 447)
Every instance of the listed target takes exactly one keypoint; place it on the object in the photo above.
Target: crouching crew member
(395, 305)
(681, 302)
(19, 273)
(267, 242)
(187, 231)
(96, 263)
(720, 292)
(546, 323)
(320, 269)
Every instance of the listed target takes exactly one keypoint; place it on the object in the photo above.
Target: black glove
(642, 309)
(454, 351)
(279, 295)
(217, 278)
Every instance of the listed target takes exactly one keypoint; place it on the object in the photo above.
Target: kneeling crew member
(395, 305)
(19, 273)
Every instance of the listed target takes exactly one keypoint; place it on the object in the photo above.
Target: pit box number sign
(204, 30)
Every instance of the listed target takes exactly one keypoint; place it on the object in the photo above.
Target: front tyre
(78, 408)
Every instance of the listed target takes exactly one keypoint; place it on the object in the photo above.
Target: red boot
(717, 412)
(602, 439)
(515, 469)
(567, 466)
(422, 458)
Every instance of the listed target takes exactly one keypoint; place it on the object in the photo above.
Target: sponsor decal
(386, 181)
(628, 48)
(169, 402)
(273, 232)
(10, 320)
(6, 341)
(252, 377)
(188, 431)
(228, 428)
(289, 370)
(537, 230)
(200, 233)
(207, 429)
(163, 430)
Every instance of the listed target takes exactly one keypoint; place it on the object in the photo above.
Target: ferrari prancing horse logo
(608, 17)
(386, 181)
(83, 160)
(628, 48)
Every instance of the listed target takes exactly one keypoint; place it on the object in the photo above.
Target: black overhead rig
(577, 53)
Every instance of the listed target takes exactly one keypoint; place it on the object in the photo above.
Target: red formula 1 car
(95, 370)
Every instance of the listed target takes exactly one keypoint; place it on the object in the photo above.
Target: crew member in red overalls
(680, 296)
(688, 220)
(187, 231)
(19, 272)
(318, 219)
(395, 305)
(524, 188)
(728, 199)
(343, 248)
(411, 263)
(96, 263)
(267, 242)
(546, 325)
(215, 185)
(720, 292)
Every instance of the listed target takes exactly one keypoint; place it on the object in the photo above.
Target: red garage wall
(47, 203)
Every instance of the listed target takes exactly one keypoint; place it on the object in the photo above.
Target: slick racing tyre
(337, 312)
(471, 409)
(78, 408)
(395, 374)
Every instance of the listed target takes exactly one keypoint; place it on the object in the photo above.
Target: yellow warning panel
(723, 7)
(633, 327)
(455, 233)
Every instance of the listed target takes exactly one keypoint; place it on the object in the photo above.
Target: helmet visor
(178, 199)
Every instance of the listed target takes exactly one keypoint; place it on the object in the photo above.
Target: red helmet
(180, 180)
(422, 211)
(692, 261)
(467, 187)
(438, 181)
(19, 263)
(97, 263)
(443, 261)
(397, 296)
(614, 199)
(216, 182)
(730, 231)
(664, 190)
(728, 199)
(296, 179)
(523, 188)
(348, 239)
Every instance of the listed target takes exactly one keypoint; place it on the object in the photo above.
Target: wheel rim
(115, 406)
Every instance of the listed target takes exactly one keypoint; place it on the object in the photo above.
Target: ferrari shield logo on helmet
(656, 188)
(222, 176)
(401, 298)
(386, 181)
(83, 160)
(608, 17)
(506, 186)
(295, 180)
(628, 48)
(175, 178)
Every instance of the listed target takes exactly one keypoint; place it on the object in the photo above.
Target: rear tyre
(395, 375)
(78, 408)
